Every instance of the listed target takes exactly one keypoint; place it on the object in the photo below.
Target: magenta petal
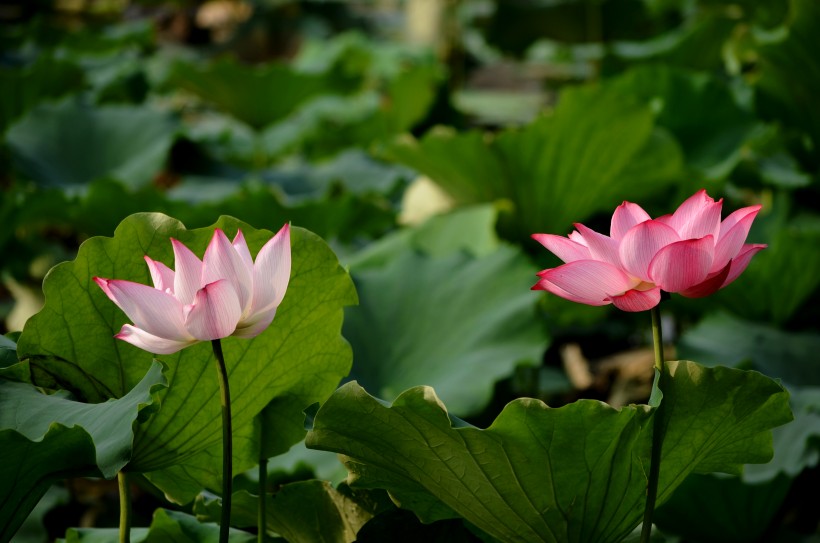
(271, 271)
(152, 310)
(625, 217)
(739, 263)
(187, 273)
(215, 312)
(697, 217)
(590, 282)
(222, 261)
(601, 247)
(562, 247)
(736, 217)
(543, 284)
(637, 300)
(683, 264)
(708, 286)
(149, 342)
(640, 245)
(161, 275)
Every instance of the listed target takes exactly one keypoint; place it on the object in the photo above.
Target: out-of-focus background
(425, 140)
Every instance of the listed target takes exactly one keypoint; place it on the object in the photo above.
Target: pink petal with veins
(601, 247)
(255, 325)
(710, 285)
(241, 247)
(152, 310)
(733, 234)
(742, 260)
(149, 342)
(637, 300)
(590, 282)
(640, 245)
(161, 275)
(683, 264)
(271, 271)
(215, 311)
(187, 273)
(562, 247)
(222, 261)
(625, 217)
(697, 217)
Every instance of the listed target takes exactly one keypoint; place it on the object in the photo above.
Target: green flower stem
(657, 432)
(227, 442)
(263, 482)
(125, 507)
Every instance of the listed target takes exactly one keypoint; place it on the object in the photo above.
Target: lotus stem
(125, 507)
(227, 443)
(657, 432)
(263, 482)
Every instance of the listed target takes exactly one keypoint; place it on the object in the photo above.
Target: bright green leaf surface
(44, 438)
(456, 322)
(302, 512)
(576, 473)
(302, 356)
(69, 143)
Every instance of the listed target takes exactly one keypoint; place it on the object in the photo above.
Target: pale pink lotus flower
(224, 294)
(690, 252)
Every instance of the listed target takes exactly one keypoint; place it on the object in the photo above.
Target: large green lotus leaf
(302, 512)
(595, 150)
(69, 143)
(258, 96)
(789, 78)
(166, 526)
(575, 473)
(720, 509)
(456, 322)
(698, 109)
(23, 88)
(301, 356)
(49, 437)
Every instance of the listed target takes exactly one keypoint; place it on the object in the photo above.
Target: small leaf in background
(301, 357)
(48, 437)
(529, 477)
(69, 143)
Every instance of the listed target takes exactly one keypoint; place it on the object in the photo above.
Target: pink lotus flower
(224, 294)
(690, 252)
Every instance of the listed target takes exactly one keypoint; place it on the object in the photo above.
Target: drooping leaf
(456, 322)
(301, 512)
(48, 437)
(595, 150)
(575, 473)
(70, 144)
(301, 356)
